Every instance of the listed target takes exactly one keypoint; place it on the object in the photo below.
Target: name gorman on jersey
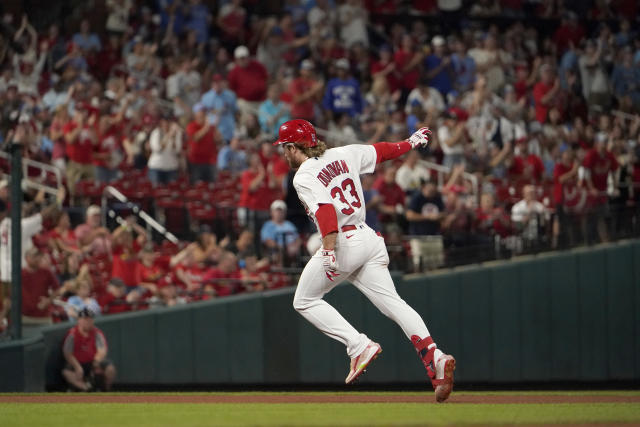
(331, 171)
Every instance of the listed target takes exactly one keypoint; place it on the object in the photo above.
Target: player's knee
(300, 304)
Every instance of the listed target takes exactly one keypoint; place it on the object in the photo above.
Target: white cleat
(361, 361)
(443, 382)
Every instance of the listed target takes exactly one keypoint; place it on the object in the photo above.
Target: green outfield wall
(569, 316)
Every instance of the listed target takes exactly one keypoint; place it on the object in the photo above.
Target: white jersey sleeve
(364, 155)
(311, 192)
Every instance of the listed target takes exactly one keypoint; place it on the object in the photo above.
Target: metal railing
(110, 191)
(34, 183)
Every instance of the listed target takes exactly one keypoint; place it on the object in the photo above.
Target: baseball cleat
(443, 382)
(360, 362)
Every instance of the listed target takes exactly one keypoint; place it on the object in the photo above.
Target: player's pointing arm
(391, 150)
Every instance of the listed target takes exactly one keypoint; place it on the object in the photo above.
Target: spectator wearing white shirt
(452, 137)
(165, 142)
(528, 214)
(412, 174)
(353, 23)
(184, 88)
(428, 97)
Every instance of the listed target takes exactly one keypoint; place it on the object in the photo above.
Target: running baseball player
(328, 184)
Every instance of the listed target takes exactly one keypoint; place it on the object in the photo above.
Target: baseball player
(328, 184)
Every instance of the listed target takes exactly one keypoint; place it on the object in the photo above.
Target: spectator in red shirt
(85, 351)
(569, 33)
(569, 198)
(116, 299)
(38, 287)
(148, 273)
(545, 91)
(386, 67)
(225, 278)
(202, 148)
(80, 137)
(92, 237)
(598, 163)
(248, 79)
(256, 195)
(305, 91)
(526, 167)
(125, 253)
(491, 219)
(393, 198)
(407, 60)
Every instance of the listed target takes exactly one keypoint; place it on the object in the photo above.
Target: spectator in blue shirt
(198, 18)
(343, 92)
(231, 158)
(438, 67)
(464, 67)
(85, 40)
(625, 79)
(81, 300)
(222, 106)
(272, 112)
(278, 233)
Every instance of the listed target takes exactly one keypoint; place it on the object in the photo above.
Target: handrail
(44, 168)
(115, 193)
(442, 170)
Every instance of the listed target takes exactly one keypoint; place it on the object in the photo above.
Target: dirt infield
(315, 398)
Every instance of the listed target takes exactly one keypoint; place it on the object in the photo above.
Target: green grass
(313, 414)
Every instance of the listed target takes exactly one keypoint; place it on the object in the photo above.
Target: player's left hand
(420, 138)
(330, 263)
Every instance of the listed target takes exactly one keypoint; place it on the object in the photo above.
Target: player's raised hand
(330, 263)
(420, 138)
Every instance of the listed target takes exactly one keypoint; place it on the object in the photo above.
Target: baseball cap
(306, 64)
(94, 210)
(438, 41)
(217, 77)
(241, 52)
(342, 63)
(119, 283)
(278, 204)
(86, 312)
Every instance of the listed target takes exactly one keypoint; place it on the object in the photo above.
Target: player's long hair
(316, 151)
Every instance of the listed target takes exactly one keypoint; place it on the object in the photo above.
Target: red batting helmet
(297, 131)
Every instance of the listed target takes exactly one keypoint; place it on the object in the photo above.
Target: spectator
(595, 85)
(39, 285)
(393, 198)
(457, 224)
(526, 166)
(183, 87)
(92, 236)
(407, 60)
(429, 98)
(464, 67)
(490, 60)
(598, 164)
(56, 134)
(198, 18)
(118, 18)
(226, 277)
(568, 196)
(85, 39)
(81, 300)
(255, 198)
(424, 213)
(148, 272)
(231, 18)
(202, 149)
(221, 104)
(386, 67)
(85, 352)
(491, 220)
(273, 112)
(452, 136)
(232, 158)
(278, 234)
(342, 94)
(248, 80)
(411, 174)
(116, 299)
(165, 143)
(62, 237)
(625, 80)
(304, 92)
(438, 67)
(126, 247)
(545, 92)
(353, 19)
(80, 138)
(322, 19)
(529, 215)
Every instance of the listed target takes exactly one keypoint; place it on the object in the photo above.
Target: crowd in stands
(533, 107)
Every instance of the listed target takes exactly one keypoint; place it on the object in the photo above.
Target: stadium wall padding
(567, 316)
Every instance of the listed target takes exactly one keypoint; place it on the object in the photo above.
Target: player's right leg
(374, 281)
(312, 286)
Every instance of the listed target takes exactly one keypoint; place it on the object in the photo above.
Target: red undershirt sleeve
(327, 219)
(390, 150)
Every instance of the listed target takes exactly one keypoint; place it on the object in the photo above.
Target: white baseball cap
(241, 52)
(342, 63)
(279, 204)
(438, 41)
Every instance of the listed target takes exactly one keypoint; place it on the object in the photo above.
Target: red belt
(348, 227)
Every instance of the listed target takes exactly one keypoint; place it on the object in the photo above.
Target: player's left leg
(374, 281)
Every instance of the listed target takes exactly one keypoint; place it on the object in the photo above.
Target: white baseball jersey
(334, 179)
(30, 227)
